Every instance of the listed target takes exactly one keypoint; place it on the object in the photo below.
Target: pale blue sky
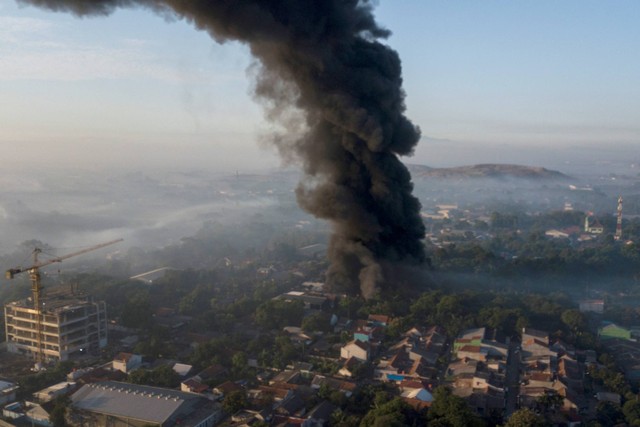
(481, 77)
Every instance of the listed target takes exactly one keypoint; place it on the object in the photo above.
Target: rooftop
(55, 303)
(148, 404)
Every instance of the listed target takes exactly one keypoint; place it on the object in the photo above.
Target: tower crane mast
(36, 286)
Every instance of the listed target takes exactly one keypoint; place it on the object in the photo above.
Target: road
(512, 378)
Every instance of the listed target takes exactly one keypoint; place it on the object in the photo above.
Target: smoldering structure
(323, 76)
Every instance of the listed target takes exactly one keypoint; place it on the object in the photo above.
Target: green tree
(349, 306)
(37, 381)
(390, 414)
(139, 376)
(339, 418)
(317, 322)
(239, 361)
(425, 307)
(162, 376)
(609, 414)
(525, 418)
(234, 401)
(137, 313)
(631, 411)
(500, 220)
(283, 352)
(213, 351)
(157, 344)
(450, 311)
(448, 409)
(58, 413)
(276, 314)
(574, 319)
(165, 376)
(549, 402)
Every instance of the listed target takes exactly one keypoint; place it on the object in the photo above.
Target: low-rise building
(610, 330)
(7, 392)
(349, 367)
(591, 306)
(192, 385)
(320, 415)
(221, 390)
(50, 393)
(114, 403)
(535, 334)
(310, 301)
(480, 344)
(212, 373)
(27, 413)
(127, 362)
(356, 349)
(287, 376)
(345, 387)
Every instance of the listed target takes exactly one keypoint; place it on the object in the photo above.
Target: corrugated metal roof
(149, 404)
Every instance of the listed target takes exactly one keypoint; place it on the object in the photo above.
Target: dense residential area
(319, 213)
(506, 324)
(287, 352)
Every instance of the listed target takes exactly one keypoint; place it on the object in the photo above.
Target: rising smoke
(337, 91)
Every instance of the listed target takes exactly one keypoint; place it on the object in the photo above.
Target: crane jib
(10, 274)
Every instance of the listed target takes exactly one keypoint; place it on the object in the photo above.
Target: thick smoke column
(324, 76)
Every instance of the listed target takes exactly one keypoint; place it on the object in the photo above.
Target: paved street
(512, 378)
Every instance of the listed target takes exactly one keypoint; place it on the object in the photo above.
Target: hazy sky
(485, 80)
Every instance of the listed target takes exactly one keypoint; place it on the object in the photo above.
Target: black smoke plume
(325, 77)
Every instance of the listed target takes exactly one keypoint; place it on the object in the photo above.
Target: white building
(592, 305)
(126, 362)
(69, 325)
(356, 349)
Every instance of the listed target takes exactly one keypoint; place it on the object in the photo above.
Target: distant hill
(498, 171)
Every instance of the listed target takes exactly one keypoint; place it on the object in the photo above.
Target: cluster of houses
(416, 355)
(441, 233)
(478, 370)
(497, 376)
(494, 374)
(100, 396)
(549, 369)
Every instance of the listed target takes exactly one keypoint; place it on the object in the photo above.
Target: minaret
(586, 223)
(618, 235)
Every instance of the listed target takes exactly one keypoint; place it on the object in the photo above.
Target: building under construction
(58, 326)
(70, 325)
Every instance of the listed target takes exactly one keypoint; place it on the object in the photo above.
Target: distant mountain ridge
(489, 170)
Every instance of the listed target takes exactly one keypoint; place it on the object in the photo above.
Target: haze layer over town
(268, 278)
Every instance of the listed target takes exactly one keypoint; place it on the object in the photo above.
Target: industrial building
(69, 325)
(111, 403)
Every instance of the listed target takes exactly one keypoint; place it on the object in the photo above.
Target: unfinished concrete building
(70, 325)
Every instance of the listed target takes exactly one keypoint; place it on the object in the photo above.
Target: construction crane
(36, 286)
